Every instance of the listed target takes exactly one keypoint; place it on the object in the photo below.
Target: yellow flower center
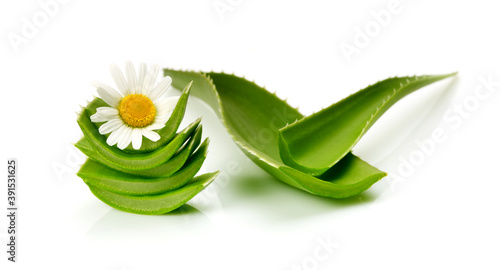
(137, 110)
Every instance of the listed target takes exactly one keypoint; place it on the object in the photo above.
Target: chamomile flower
(137, 109)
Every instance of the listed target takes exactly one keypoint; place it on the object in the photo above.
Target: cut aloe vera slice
(155, 204)
(103, 177)
(164, 170)
(131, 161)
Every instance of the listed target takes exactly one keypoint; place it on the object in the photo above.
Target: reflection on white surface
(115, 224)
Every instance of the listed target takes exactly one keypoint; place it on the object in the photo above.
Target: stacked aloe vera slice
(155, 179)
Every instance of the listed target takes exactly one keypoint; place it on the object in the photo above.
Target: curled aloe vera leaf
(155, 204)
(253, 117)
(315, 143)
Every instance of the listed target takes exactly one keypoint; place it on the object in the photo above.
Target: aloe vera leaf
(343, 187)
(131, 161)
(315, 143)
(101, 176)
(155, 204)
(253, 117)
(164, 170)
(194, 141)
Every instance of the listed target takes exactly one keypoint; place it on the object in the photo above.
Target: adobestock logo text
(31, 26)
(364, 35)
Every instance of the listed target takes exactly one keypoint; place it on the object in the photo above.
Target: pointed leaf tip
(317, 142)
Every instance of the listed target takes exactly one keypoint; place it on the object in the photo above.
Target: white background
(442, 214)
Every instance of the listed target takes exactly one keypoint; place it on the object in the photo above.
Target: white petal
(115, 135)
(160, 89)
(131, 77)
(97, 117)
(107, 111)
(119, 79)
(143, 71)
(136, 138)
(155, 126)
(153, 136)
(162, 118)
(150, 80)
(125, 138)
(166, 105)
(110, 126)
(108, 94)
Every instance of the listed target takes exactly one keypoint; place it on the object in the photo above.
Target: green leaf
(346, 173)
(253, 117)
(101, 176)
(164, 170)
(155, 204)
(317, 142)
(131, 161)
